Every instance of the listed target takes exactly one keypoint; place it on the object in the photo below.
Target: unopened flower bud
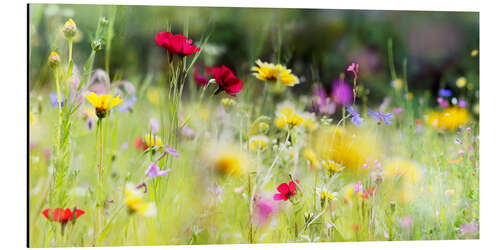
(97, 45)
(54, 60)
(69, 29)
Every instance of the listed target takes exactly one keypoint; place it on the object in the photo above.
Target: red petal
(46, 213)
(291, 187)
(79, 213)
(283, 188)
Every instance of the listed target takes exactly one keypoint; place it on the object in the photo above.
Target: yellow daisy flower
(153, 141)
(274, 73)
(103, 103)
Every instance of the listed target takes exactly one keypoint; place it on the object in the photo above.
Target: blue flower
(381, 116)
(445, 92)
(356, 118)
(53, 99)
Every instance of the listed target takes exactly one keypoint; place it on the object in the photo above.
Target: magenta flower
(354, 68)
(154, 171)
(462, 103)
(321, 103)
(265, 207)
(342, 92)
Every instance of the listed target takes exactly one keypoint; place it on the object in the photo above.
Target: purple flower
(356, 118)
(342, 92)
(381, 116)
(171, 151)
(154, 125)
(462, 103)
(154, 171)
(53, 99)
(358, 187)
(445, 92)
(354, 68)
(322, 104)
(127, 105)
(469, 228)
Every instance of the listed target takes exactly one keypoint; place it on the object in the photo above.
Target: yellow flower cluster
(287, 116)
(332, 167)
(274, 73)
(135, 203)
(450, 118)
(258, 142)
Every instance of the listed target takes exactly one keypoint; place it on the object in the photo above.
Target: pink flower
(397, 111)
(265, 207)
(354, 68)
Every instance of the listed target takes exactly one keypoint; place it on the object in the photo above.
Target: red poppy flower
(226, 79)
(286, 191)
(62, 215)
(176, 44)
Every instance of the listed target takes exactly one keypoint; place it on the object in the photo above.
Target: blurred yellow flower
(32, 118)
(403, 170)
(474, 53)
(397, 83)
(401, 177)
(450, 118)
(461, 82)
(153, 95)
(258, 128)
(134, 202)
(274, 73)
(311, 158)
(228, 159)
(258, 142)
(227, 102)
(103, 103)
(449, 192)
(287, 116)
(309, 122)
(349, 147)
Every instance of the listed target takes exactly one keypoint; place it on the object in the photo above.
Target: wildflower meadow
(153, 125)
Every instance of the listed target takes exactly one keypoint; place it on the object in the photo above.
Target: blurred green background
(316, 44)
